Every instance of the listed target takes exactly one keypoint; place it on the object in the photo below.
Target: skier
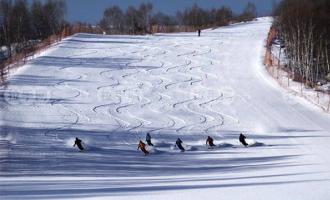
(209, 141)
(242, 139)
(78, 143)
(179, 144)
(142, 146)
(148, 139)
(199, 32)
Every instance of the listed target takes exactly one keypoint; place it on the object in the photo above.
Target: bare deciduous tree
(305, 28)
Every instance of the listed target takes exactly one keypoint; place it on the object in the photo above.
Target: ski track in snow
(112, 90)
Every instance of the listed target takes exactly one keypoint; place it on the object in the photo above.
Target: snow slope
(111, 90)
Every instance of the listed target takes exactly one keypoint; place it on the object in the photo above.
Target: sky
(91, 11)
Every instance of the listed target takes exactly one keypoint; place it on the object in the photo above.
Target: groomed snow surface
(111, 90)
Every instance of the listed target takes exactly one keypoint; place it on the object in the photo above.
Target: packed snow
(110, 91)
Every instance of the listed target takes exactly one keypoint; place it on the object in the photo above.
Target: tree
(21, 24)
(54, 12)
(179, 18)
(20, 27)
(249, 12)
(305, 28)
(195, 16)
(132, 21)
(38, 20)
(113, 20)
(145, 11)
(223, 16)
(163, 19)
(5, 13)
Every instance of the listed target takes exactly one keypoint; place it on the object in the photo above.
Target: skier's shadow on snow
(73, 40)
(123, 159)
(105, 62)
(39, 80)
(109, 188)
(121, 37)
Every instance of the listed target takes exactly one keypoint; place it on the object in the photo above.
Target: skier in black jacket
(209, 141)
(79, 144)
(242, 139)
(148, 139)
(179, 144)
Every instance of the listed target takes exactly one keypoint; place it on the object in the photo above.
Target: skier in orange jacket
(142, 146)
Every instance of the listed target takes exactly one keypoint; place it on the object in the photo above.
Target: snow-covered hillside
(112, 90)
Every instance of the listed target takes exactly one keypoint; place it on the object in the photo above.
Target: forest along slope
(111, 90)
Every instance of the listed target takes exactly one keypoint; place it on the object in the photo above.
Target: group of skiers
(178, 143)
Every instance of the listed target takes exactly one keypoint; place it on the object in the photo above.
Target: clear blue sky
(91, 11)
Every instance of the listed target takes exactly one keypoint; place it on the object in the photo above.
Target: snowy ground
(111, 90)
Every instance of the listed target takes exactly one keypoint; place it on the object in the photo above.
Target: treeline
(133, 21)
(21, 24)
(304, 28)
(139, 20)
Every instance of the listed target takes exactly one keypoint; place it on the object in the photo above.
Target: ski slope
(111, 90)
